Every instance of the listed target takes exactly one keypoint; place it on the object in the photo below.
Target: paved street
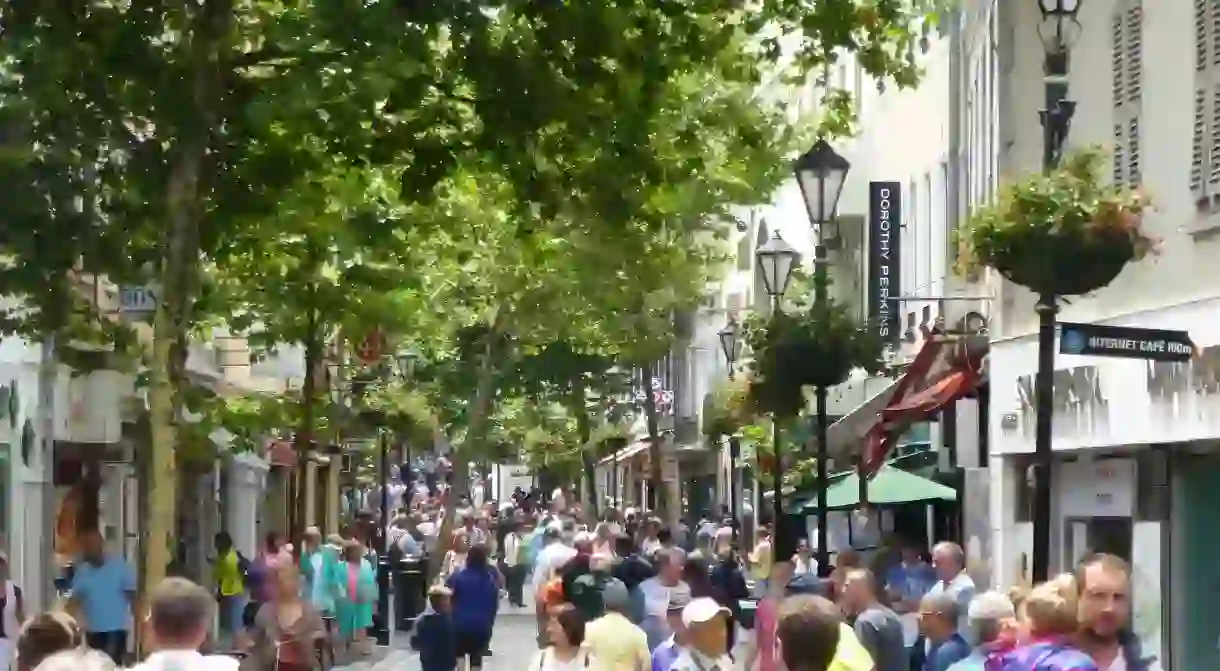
(512, 648)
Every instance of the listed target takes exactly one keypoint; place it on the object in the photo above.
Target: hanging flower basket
(728, 408)
(818, 346)
(1065, 233)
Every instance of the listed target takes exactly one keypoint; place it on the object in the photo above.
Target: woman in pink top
(766, 618)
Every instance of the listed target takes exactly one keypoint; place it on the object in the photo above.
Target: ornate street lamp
(776, 260)
(728, 344)
(406, 360)
(821, 173)
(1058, 30)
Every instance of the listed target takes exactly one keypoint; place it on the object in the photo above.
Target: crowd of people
(625, 593)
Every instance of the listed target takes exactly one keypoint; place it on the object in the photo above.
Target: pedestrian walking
(876, 625)
(516, 563)
(44, 635)
(179, 620)
(476, 599)
(229, 574)
(103, 591)
(566, 652)
(808, 634)
(617, 643)
(287, 629)
(455, 557)
(938, 621)
(766, 619)
(706, 639)
(668, 652)
(434, 635)
(659, 591)
(355, 591)
(993, 626)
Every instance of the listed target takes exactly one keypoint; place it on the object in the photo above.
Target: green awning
(890, 486)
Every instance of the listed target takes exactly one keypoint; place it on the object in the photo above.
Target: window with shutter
(1201, 42)
(1116, 59)
(1133, 152)
(1214, 27)
(1198, 149)
(1133, 39)
(1120, 163)
(1213, 149)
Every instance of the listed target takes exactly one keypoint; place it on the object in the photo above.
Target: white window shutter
(1201, 34)
(1213, 149)
(1213, 27)
(1134, 59)
(1133, 152)
(1198, 149)
(1117, 72)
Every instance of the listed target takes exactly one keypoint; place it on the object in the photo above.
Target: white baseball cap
(701, 610)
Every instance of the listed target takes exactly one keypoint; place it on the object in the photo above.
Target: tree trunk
(655, 482)
(303, 441)
(585, 432)
(480, 413)
(179, 270)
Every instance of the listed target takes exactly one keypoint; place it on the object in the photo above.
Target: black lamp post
(728, 344)
(1058, 30)
(821, 172)
(406, 361)
(776, 260)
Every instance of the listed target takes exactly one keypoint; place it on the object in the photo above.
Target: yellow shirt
(850, 655)
(228, 574)
(617, 644)
(760, 561)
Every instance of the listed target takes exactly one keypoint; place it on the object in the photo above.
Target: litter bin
(410, 590)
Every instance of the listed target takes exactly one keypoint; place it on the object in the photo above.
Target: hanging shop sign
(1125, 342)
(884, 262)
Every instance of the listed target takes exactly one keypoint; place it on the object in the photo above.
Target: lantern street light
(1058, 30)
(821, 173)
(776, 261)
(728, 343)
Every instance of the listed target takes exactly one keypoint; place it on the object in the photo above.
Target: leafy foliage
(1064, 233)
(729, 408)
(817, 346)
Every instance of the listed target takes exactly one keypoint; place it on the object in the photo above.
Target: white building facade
(1136, 463)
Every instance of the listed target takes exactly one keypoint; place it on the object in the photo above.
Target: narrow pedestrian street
(512, 648)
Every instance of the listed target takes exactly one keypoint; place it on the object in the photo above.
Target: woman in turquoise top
(354, 589)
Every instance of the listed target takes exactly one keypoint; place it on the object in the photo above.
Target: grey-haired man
(987, 616)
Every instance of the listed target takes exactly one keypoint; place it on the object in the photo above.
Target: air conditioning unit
(966, 317)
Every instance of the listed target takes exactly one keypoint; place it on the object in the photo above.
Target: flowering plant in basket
(809, 347)
(1063, 233)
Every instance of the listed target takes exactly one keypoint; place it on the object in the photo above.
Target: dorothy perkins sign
(1125, 342)
(884, 269)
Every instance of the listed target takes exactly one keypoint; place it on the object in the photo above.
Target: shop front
(1137, 462)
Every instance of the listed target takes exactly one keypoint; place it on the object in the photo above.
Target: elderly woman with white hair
(991, 623)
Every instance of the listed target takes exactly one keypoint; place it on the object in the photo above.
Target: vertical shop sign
(884, 262)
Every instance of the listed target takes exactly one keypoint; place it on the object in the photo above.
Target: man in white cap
(707, 641)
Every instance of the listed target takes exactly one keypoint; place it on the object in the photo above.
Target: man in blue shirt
(938, 618)
(103, 593)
